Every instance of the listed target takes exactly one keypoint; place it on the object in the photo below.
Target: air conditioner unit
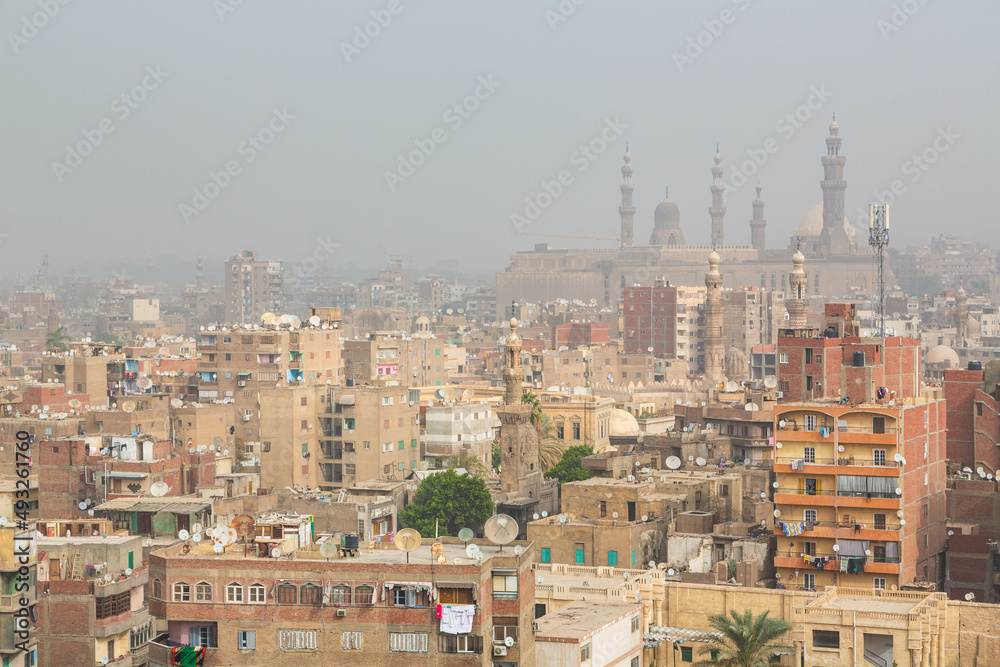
(341, 612)
(241, 383)
(499, 650)
(246, 418)
(534, 626)
(779, 394)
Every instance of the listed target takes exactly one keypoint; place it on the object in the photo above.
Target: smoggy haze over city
(169, 93)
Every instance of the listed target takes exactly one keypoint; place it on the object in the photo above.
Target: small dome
(627, 157)
(513, 323)
(622, 423)
(811, 224)
(667, 215)
(713, 259)
(735, 364)
(961, 289)
(798, 259)
(423, 319)
(833, 128)
(940, 354)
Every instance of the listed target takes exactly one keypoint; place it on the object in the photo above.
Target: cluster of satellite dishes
(199, 449)
(84, 506)
(449, 396)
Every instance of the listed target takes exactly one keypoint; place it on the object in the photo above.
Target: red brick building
(650, 320)
(374, 608)
(573, 334)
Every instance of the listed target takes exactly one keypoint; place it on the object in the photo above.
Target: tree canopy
(569, 468)
(455, 501)
(746, 640)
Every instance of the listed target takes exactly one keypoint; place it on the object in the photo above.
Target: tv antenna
(878, 239)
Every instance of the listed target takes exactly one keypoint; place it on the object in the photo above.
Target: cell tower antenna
(878, 239)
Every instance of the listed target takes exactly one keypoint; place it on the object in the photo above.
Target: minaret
(795, 304)
(758, 224)
(626, 210)
(199, 274)
(711, 334)
(520, 472)
(718, 211)
(833, 236)
(961, 316)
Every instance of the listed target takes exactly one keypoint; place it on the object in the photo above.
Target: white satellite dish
(471, 550)
(731, 386)
(535, 516)
(614, 515)
(82, 506)
(508, 641)
(196, 537)
(275, 552)
(176, 403)
(183, 534)
(770, 382)
(562, 518)
(670, 571)
(699, 461)
(645, 517)
(314, 320)
(540, 579)
(128, 572)
(108, 577)
(217, 548)
(158, 489)
(104, 660)
(196, 527)
(673, 462)
(518, 550)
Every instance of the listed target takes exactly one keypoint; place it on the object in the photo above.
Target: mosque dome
(735, 364)
(811, 224)
(622, 423)
(667, 215)
(940, 354)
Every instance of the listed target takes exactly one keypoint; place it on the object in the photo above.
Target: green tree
(746, 640)
(550, 447)
(495, 455)
(455, 501)
(55, 341)
(536, 407)
(569, 468)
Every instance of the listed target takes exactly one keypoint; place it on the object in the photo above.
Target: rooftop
(580, 619)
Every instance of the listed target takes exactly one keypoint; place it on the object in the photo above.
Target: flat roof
(579, 619)
(153, 505)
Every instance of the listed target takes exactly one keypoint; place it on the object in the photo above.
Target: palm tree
(55, 341)
(536, 407)
(550, 448)
(743, 640)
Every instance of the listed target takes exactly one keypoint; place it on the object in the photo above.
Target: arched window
(234, 593)
(340, 595)
(182, 592)
(311, 594)
(258, 594)
(364, 595)
(287, 594)
(203, 592)
(157, 588)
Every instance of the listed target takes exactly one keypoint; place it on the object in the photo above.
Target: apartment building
(93, 609)
(752, 317)
(252, 287)
(588, 633)
(396, 360)
(458, 431)
(379, 607)
(18, 572)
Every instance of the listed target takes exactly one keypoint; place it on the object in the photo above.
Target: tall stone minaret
(626, 210)
(833, 236)
(718, 211)
(711, 334)
(758, 223)
(199, 274)
(795, 304)
(961, 316)
(520, 472)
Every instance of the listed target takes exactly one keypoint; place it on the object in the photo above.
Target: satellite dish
(90, 512)
(774, 484)
(540, 579)
(82, 506)
(509, 641)
(471, 550)
(128, 406)
(614, 515)
(104, 660)
(670, 571)
(108, 577)
(176, 403)
(518, 550)
(466, 534)
(645, 517)
(327, 549)
(836, 547)
(770, 382)
(159, 489)
(781, 424)
(217, 548)
(673, 462)
(751, 407)
(731, 386)
(183, 534)
(535, 516)
(75, 403)
(467, 394)
(501, 529)
(196, 537)
(545, 513)
(276, 552)
(699, 461)
(970, 596)
(144, 383)
(763, 494)
(980, 471)
(128, 572)
(777, 514)
(314, 320)
(407, 540)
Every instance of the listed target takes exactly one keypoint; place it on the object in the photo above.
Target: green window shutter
(401, 444)
(546, 555)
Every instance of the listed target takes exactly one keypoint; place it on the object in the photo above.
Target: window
(636, 623)
(400, 445)
(408, 642)
(826, 639)
(234, 593)
(604, 508)
(809, 355)
(635, 662)
(878, 457)
(809, 548)
(454, 595)
(246, 640)
(810, 422)
(340, 595)
(311, 594)
(879, 583)
(460, 644)
(258, 594)
(287, 594)
(579, 555)
(576, 431)
(364, 595)
(405, 598)
(613, 558)
(809, 582)
(504, 584)
(809, 454)
(297, 640)
(809, 515)
(585, 652)
(157, 588)
(201, 635)
(783, 358)
(687, 654)
(546, 555)
(351, 641)
(503, 627)
(182, 592)
(879, 521)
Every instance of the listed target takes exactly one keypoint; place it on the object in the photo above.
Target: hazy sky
(310, 117)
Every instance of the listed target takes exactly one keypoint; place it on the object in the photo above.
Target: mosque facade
(840, 265)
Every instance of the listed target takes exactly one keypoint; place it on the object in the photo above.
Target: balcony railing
(840, 494)
(792, 426)
(806, 492)
(840, 461)
(850, 525)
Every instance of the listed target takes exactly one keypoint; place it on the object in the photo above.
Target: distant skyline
(188, 128)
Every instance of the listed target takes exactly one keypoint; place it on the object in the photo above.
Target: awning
(128, 475)
(243, 374)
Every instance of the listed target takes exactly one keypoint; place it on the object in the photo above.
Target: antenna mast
(878, 239)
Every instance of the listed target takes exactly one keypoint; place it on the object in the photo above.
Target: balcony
(121, 661)
(869, 500)
(872, 565)
(828, 466)
(140, 656)
(160, 652)
(109, 627)
(885, 532)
